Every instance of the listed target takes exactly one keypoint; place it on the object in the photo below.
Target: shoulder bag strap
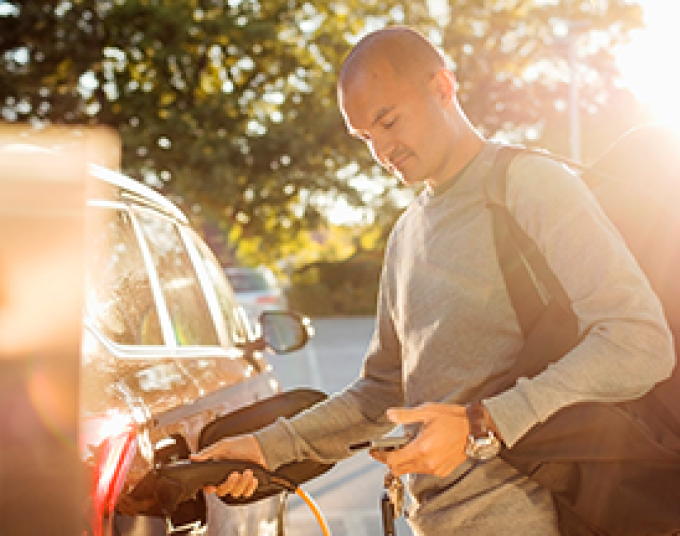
(549, 329)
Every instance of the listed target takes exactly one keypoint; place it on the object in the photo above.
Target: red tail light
(115, 437)
(267, 299)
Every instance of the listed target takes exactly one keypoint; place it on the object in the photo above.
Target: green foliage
(347, 287)
(229, 107)
(512, 57)
(226, 104)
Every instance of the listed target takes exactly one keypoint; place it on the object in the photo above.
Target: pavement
(349, 494)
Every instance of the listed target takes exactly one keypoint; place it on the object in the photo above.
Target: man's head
(397, 95)
(407, 53)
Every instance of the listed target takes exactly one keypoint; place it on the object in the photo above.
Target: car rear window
(247, 282)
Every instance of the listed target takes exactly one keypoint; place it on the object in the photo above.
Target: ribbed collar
(478, 166)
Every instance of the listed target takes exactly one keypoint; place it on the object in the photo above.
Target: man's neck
(465, 153)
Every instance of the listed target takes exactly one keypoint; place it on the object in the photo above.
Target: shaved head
(409, 55)
(398, 96)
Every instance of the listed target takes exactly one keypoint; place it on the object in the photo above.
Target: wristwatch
(482, 444)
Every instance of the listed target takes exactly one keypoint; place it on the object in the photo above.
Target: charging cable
(318, 514)
(181, 480)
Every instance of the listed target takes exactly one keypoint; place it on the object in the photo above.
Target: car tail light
(116, 439)
(268, 300)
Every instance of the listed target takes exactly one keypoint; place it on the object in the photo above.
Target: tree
(228, 106)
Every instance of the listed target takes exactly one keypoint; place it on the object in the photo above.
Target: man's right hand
(245, 448)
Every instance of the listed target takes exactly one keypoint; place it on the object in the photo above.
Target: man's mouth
(397, 160)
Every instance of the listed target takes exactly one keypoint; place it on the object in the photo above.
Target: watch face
(483, 448)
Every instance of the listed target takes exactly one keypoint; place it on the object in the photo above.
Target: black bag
(613, 469)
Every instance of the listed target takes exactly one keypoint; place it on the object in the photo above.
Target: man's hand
(438, 448)
(245, 448)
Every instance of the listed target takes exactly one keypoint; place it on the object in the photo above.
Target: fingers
(439, 446)
(402, 460)
(208, 453)
(420, 414)
(237, 485)
(422, 456)
(408, 415)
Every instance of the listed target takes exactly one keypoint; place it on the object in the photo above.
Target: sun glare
(648, 62)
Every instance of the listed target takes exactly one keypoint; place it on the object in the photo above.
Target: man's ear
(444, 85)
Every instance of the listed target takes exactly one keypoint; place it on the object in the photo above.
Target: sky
(648, 63)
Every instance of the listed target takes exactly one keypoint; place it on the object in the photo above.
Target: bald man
(445, 325)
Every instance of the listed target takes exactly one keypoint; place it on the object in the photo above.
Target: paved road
(349, 493)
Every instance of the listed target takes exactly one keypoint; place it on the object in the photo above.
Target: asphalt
(349, 494)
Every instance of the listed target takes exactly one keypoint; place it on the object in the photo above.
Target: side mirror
(285, 331)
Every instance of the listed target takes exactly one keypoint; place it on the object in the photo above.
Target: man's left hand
(438, 448)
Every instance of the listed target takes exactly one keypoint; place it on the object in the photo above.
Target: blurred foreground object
(42, 194)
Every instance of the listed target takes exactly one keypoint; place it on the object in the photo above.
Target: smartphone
(385, 444)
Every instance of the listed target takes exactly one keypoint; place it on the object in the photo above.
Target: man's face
(397, 120)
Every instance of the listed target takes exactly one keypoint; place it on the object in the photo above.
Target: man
(445, 325)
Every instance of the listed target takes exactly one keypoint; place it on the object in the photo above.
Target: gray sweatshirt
(445, 326)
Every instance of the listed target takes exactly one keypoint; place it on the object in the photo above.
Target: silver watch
(482, 443)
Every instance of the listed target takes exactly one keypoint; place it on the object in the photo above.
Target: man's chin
(408, 179)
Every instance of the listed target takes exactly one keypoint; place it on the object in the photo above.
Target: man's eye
(390, 123)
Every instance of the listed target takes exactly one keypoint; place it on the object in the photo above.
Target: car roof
(123, 187)
(135, 191)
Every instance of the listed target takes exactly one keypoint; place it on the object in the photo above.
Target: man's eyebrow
(382, 113)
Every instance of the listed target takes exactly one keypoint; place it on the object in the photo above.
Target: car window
(192, 323)
(119, 299)
(236, 330)
(248, 281)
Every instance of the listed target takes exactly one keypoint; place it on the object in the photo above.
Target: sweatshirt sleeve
(627, 347)
(324, 432)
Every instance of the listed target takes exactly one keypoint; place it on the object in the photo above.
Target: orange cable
(315, 510)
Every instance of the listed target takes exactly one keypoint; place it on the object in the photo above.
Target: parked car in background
(166, 350)
(256, 290)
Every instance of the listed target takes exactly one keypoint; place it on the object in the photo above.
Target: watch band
(476, 415)
(482, 444)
